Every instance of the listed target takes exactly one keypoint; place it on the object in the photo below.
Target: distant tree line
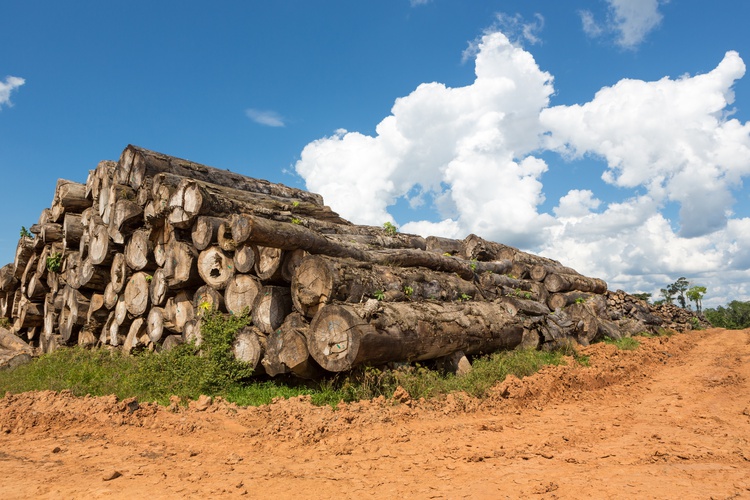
(735, 315)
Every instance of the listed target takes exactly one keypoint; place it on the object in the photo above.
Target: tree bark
(574, 282)
(72, 230)
(137, 163)
(343, 336)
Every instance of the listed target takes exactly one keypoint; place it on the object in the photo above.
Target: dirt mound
(671, 418)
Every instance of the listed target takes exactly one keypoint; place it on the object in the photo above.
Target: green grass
(624, 344)
(188, 372)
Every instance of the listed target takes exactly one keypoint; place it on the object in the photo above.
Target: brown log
(137, 336)
(137, 163)
(155, 324)
(159, 290)
(127, 216)
(93, 277)
(101, 247)
(136, 293)
(268, 264)
(563, 300)
(568, 282)
(179, 309)
(110, 297)
(207, 299)
(215, 267)
(516, 305)
(292, 260)
(11, 342)
(244, 258)
(37, 287)
(538, 272)
(6, 304)
(444, 246)
(286, 350)
(73, 314)
(171, 341)
(8, 281)
(240, 293)
(340, 337)
(248, 346)
(24, 251)
(30, 314)
(72, 230)
(139, 251)
(51, 232)
(191, 332)
(119, 272)
(205, 231)
(272, 305)
(69, 197)
(181, 266)
(498, 285)
(319, 280)
(224, 237)
(97, 313)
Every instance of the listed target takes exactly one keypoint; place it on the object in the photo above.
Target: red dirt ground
(668, 420)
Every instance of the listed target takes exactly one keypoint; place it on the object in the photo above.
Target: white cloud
(518, 30)
(11, 83)
(415, 3)
(265, 117)
(670, 137)
(629, 20)
(471, 155)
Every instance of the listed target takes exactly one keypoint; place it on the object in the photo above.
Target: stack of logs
(134, 257)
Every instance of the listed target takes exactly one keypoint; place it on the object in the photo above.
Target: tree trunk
(69, 197)
(137, 336)
(249, 346)
(319, 280)
(241, 293)
(272, 305)
(563, 300)
(93, 277)
(102, 249)
(138, 250)
(137, 294)
(341, 337)
(51, 232)
(127, 216)
(244, 258)
(268, 264)
(181, 266)
(138, 163)
(574, 282)
(171, 341)
(159, 290)
(24, 251)
(179, 309)
(286, 350)
(119, 273)
(292, 260)
(8, 282)
(215, 267)
(224, 238)
(110, 297)
(206, 299)
(205, 231)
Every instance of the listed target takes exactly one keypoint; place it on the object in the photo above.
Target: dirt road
(669, 420)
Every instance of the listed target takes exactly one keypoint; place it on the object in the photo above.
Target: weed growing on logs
(54, 262)
(390, 229)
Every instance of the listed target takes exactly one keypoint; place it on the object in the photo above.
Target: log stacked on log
(135, 256)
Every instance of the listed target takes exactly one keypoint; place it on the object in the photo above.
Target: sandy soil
(669, 420)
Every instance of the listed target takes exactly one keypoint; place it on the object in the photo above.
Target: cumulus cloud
(265, 117)
(670, 137)
(629, 20)
(471, 156)
(11, 83)
(466, 147)
(518, 30)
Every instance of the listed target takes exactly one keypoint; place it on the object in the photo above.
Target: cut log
(155, 324)
(181, 266)
(159, 290)
(244, 258)
(51, 232)
(568, 282)
(215, 267)
(224, 237)
(540, 271)
(205, 231)
(8, 281)
(563, 300)
(248, 346)
(72, 230)
(516, 305)
(191, 332)
(268, 264)
(24, 251)
(271, 306)
(93, 277)
(342, 336)
(11, 342)
(139, 251)
(286, 350)
(240, 294)
(171, 341)
(69, 197)
(319, 280)
(292, 260)
(119, 273)
(137, 163)
(444, 246)
(179, 310)
(207, 299)
(137, 336)
(110, 297)
(136, 294)
(101, 247)
(127, 216)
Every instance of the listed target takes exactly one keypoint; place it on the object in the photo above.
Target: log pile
(134, 256)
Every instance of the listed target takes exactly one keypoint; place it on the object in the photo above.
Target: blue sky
(609, 134)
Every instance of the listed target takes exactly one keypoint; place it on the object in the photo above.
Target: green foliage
(149, 278)
(25, 233)
(379, 294)
(390, 229)
(580, 300)
(695, 294)
(5, 322)
(624, 344)
(735, 316)
(295, 204)
(297, 221)
(643, 296)
(54, 262)
(464, 297)
(408, 291)
(473, 265)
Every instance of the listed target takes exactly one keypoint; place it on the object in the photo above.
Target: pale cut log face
(332, 343)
